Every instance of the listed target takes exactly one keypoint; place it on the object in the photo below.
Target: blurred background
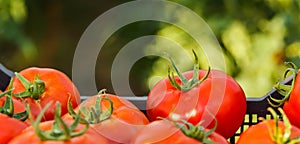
(256, 37)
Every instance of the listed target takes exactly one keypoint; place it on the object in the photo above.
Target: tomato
(199, 95)
(10, 128)
(9, 112)
(39, 86)
(29, 136)
(271, 132)
(57, 131)
(118, 119)
(292, 105)
(166, 132)
(291, 97)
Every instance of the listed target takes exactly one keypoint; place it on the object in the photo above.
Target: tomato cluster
(42, 105)
(199, 106)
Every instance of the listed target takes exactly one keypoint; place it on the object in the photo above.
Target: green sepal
(186, 84)
(8, 107)
(95, 114)
(196, 131)
(33, 90)
(282, 137)
(59, 131)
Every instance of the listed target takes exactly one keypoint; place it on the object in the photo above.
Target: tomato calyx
(8, 106)
(284, 90)
(186, 84)
(60, 131)
(278, 136)
(33, 90)
(95, 114)
(196, 131)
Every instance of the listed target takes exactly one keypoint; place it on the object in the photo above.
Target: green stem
(282, 137)
(60, 131)
(95, 114)
(186, 84)
(282, 89)
(8, 107)
(33, 90)
(196, 131)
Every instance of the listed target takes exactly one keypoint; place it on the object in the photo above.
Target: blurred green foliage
(256, 36)
(13, 14)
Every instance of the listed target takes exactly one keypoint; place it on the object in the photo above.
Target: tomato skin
(292, 106)
(165, 132)
(28, 135)
(58, 87)
(125, 121)
(260, 133)
(9, 128)
(219, 93)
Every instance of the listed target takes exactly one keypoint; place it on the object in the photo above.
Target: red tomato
(219, 96)
(260, 133)
(29, 136)
(291, 99)
(9, 128)
(43, 86)
(122, 125)
(268, 132)
(166, 132)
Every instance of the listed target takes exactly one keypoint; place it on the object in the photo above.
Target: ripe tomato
(271, 132)
(39, 86)
(117, 119)
(29, 136)
(57, 130)
(291, 97)
(196, 96)
(166, 132)
(9, 128)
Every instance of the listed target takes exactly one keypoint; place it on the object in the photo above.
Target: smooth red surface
(292, 106)
(9, 128)
(165, 132)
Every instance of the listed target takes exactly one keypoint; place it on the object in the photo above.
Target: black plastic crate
(256, 107)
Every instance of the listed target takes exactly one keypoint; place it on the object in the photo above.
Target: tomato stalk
(8, 107)
(278, 136)
(33, 90)
(284, 90)
(186, 84)
(60, 131)
(196, 131)
(95, 114)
